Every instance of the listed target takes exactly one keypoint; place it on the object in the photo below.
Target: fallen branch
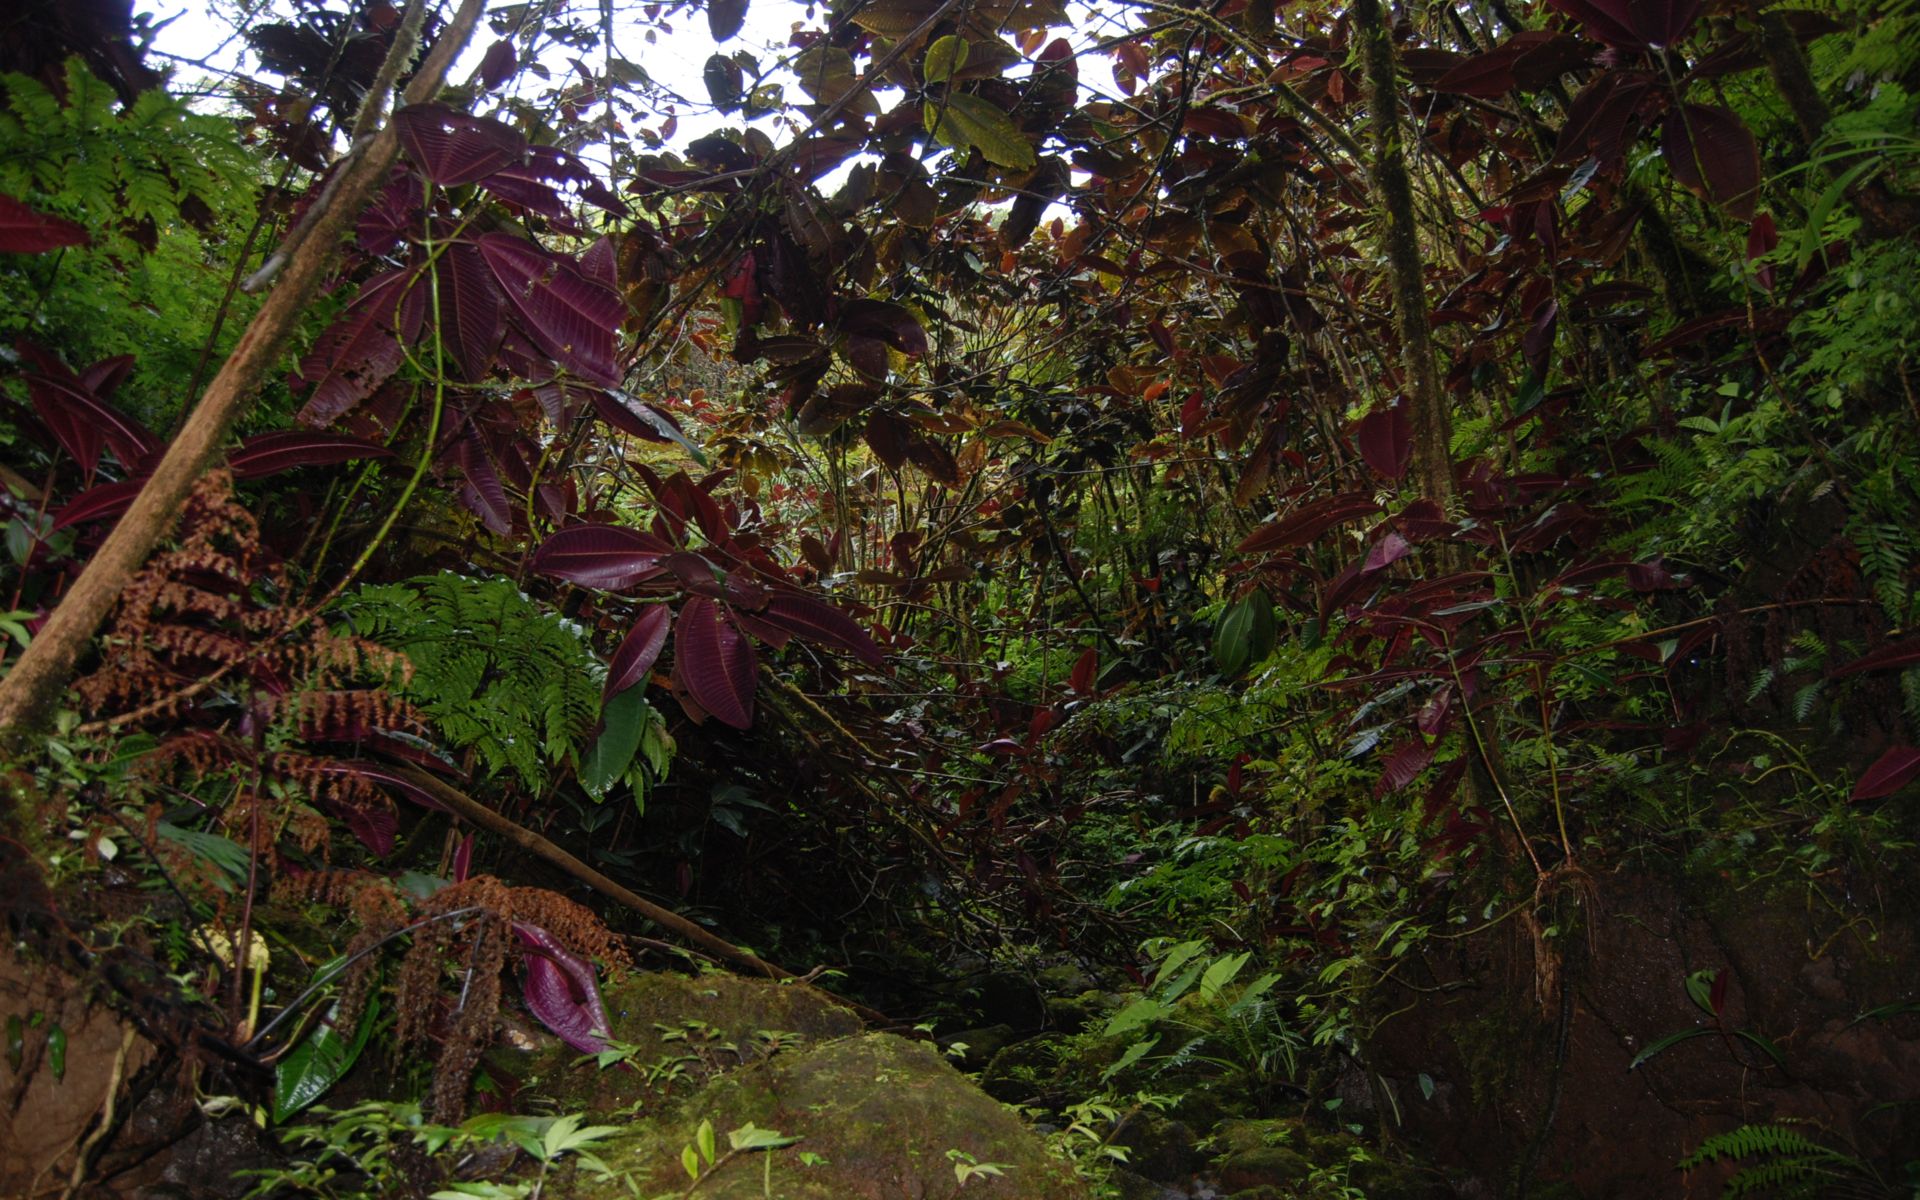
(466, 806)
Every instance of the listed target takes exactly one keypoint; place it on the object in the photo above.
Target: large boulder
(878, 1117)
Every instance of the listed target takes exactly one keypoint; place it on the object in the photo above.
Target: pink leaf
(359, 351)
(1307, 522)
(1387, 551)
(1889, 773)
(639, 650)
(716, 662)
(1403, 763)
(560, 990)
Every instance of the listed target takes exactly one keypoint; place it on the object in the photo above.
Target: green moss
(877, 1115)
(684, 1030)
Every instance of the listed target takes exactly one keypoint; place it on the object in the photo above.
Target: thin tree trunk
(31, 690)
(1427, 411)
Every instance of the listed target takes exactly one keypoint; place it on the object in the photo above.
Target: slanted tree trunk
(31, 690)
(1393, 188)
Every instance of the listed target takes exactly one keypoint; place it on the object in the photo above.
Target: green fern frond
(497, 675)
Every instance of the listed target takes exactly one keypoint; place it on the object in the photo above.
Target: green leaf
(690, 1162)
(752, 1137)
(627, 716)
(1220, 973)
(947, 55)
(1665, 1043)
(1134, 1054)
(1143, 1011)
(57, 1051)
(319, 1061)
(230, 856)
(966, 120)
(1700, 990)
(1244, 635)
(704, 1137)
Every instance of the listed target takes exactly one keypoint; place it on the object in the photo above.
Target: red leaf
(639, 650)
(1308, 522)
(1386, 440)
(24, 231)
(270, 453)
(561, 991)
(1897, 654)
(1085, 670)
(1888, 774)
(1403, 763)
(1711, 151)
(453, 148)
(715, 662)
(569, 316)
(818, 621)
(610, 557)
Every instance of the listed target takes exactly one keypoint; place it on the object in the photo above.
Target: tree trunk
(31, 690)
(1428, 417)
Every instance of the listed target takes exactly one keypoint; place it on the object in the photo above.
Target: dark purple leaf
(1711, 151)
(1897, 654)
(359, 351)
(1308, 521)
(887, 322)
(98, 502)
(1386, 440)
(270, 453)
(1633, 24)
(725, 17)
(1536, 345)
(561, 991)
(639, 650)
(469, 310)
(610, 557)
(24, 231)
(482, 492)
(497, 64)
(1889, 773)
(818, 621)
(715, 662)
(567, 314)
(1403, 763)
(453, 148)
(388, 777)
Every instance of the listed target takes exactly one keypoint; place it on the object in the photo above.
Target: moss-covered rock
(877, 1116)
(683, 1030)
(1288, 1156)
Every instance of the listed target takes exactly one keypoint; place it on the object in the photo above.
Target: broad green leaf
(1221, 973)
(690, 1162)
(627, 716)
(1134, 1054)
(1672, 1039)
(752, 1137)
(1143, 1011)
(1244, 635)
(1177, 957)
(947, 55)
(704, 1136)
(318, 1062)
(966, 120)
